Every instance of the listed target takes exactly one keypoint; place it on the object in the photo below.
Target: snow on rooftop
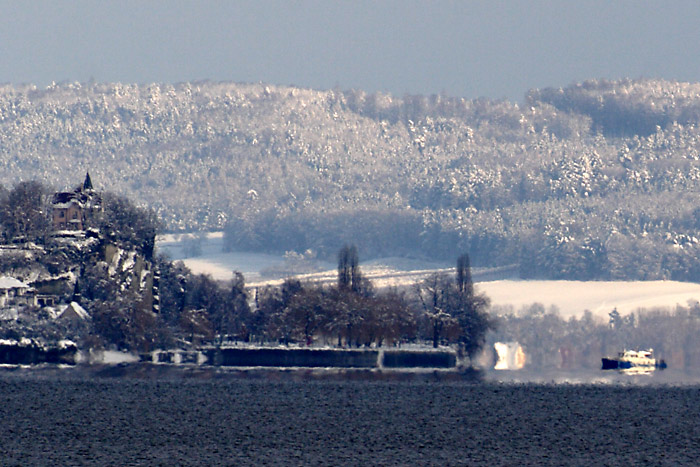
(75, 309)
(66, 205)
(11, 283)
(79, 310)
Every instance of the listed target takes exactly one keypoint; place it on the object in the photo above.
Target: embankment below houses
(244, 362)
(247, 357)
(31, 352)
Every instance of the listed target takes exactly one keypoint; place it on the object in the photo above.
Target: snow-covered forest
(598, 180)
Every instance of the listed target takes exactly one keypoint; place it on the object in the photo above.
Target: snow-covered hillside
(598, 180)
(571, 298)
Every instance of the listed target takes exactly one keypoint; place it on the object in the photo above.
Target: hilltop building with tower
(73, 210)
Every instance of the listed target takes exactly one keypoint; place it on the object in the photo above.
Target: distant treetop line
(595, 180)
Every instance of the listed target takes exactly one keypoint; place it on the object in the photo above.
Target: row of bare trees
(441, 310)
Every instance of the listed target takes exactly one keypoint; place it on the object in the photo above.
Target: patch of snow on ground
(115, 262)
(214, 261)
(129, 262)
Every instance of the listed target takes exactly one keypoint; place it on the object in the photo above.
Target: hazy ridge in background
(597, 180)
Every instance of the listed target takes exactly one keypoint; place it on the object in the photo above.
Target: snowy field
(571, 298)
(212, 260)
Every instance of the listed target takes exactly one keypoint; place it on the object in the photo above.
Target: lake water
(207, 418)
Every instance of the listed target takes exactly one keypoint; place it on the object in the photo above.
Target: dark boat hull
(610, 364)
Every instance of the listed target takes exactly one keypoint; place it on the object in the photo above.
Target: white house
(15, 292)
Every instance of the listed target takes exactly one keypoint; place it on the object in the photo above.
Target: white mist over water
(106, 357)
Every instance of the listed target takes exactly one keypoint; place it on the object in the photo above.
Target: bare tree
(348, 267)
(434, 296)
(23, 213)
(455, 313)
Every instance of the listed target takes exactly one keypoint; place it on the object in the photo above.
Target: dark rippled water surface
(56, 420)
